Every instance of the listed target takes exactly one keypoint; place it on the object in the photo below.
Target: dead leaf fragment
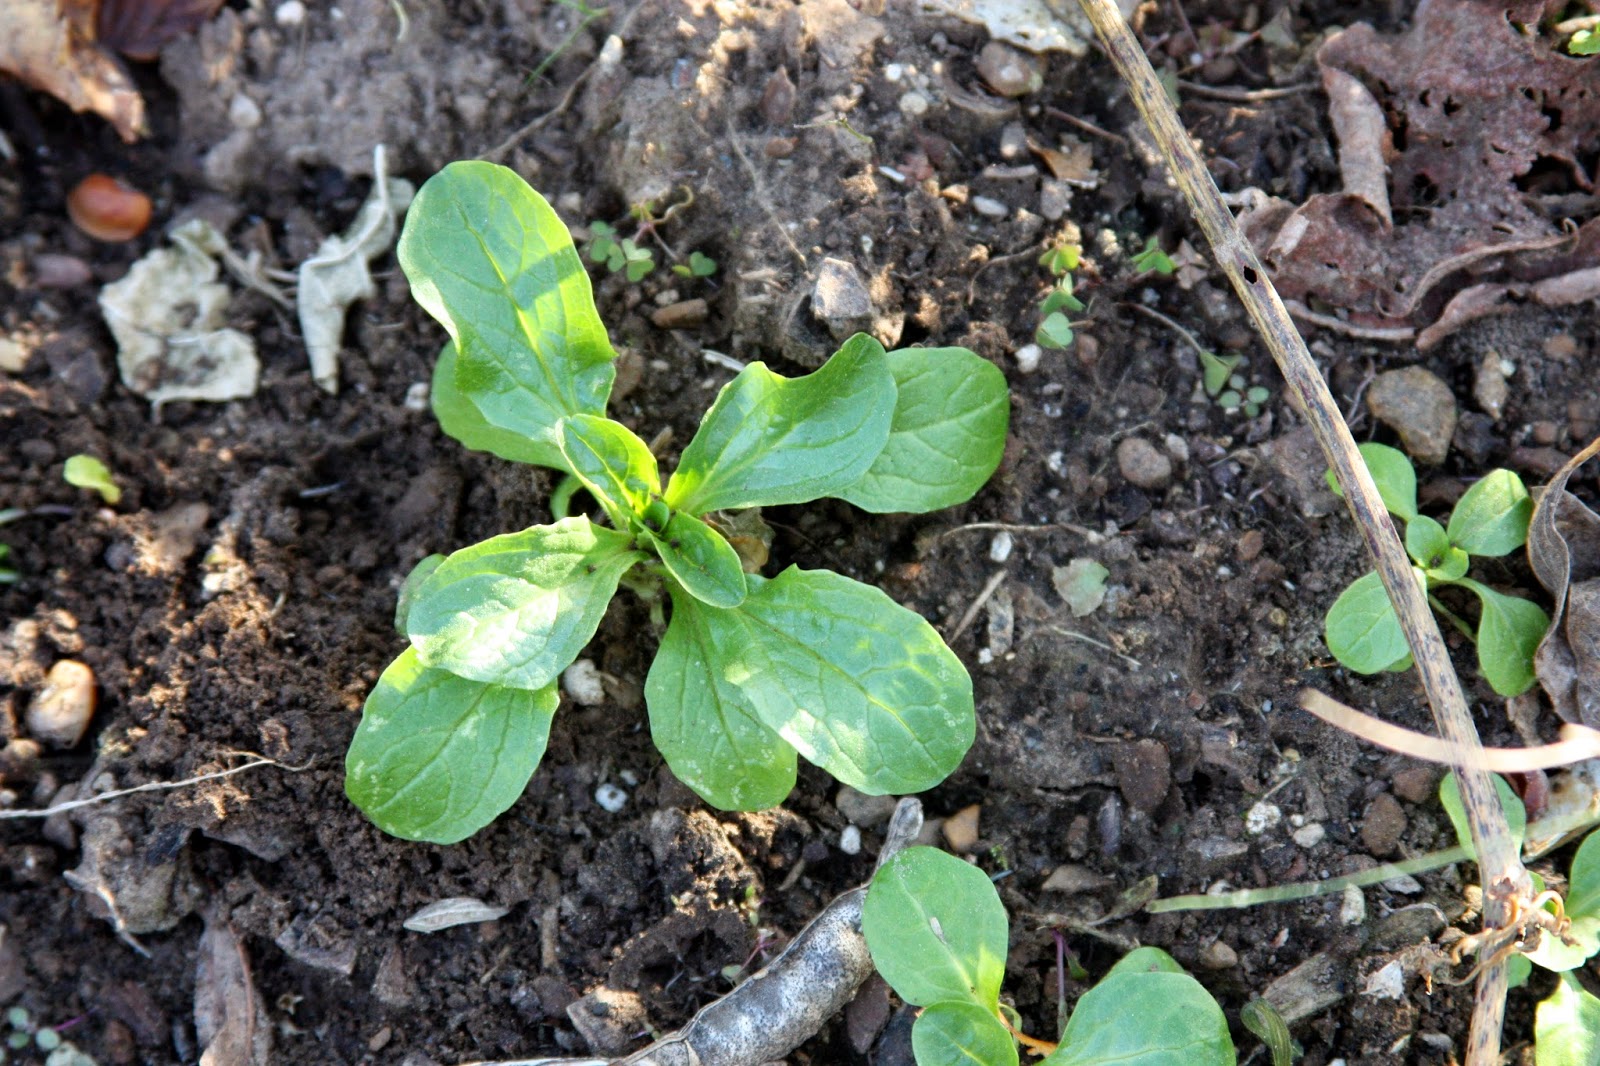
(457, 910)
(1564, 551)
(230, 1018)
(51, 45)
(337, 276)
(138, 28)
(167, 316)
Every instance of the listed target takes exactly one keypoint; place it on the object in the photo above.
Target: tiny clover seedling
(1490, 519)
(700, 265)
(1055, 328)
(619, 253)
(938, 934)
(1152, 260)
(751, 671)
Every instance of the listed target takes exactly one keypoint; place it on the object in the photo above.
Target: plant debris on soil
(1136, 723)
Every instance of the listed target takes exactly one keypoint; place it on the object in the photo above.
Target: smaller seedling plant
(938, 934)
(1567, 1022)
(87, 472)
(1055, 327)
(1490, 520)
(1152, 260)
(751, 671)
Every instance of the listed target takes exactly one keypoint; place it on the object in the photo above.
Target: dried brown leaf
(229, 1017)
(138, 28)
(1564, 551)
(51, 45)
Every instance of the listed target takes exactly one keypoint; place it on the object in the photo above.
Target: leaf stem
(1454, 619)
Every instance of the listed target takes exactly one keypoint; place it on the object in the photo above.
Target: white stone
(914, 104)
(1028, 357)
(610, 797)
(1000, 547)
(244, 113)
(1352, 906)
(989, 207)
(1309, 836)
(582, 682)
(1262, 817)
(290, 13)
(1387, 983)
(417, 396)
(850, 840)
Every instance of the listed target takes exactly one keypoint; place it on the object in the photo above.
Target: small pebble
(1489, 387)
(1416, 404)
(1249, 545)
(1000, 547)
(1545, 433)
(961, 828)
(840, 300)
(1143, 465)
(1352, 906)
(1309, 836)
(1013, 142)
(1010, 71)
(989, 207)
(1176, 447)
(1144, 773)
(1415, 784)
(52, 270)
(1218, 956)
(582, 682)
(685, 314)
(1028, 357)
(1055, 199)
(417, 396)
(243, 112)
(1383, 825)
(850, 840)
(290, 13)
(1387, 983)
(610, 797)
(1560, 347)
(914, 104)
(1072, 878)
(861, 809)
(1262, 817)
(59, 715)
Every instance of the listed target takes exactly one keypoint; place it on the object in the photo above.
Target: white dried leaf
(457, 910)
(167, 316)
(336, 276)
(1036, 25)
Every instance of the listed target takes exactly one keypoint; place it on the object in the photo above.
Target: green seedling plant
(1490, 520)
(1055, 327)
(1567, 1022)
(618, 253)
(1152, 260)
(939, 934)
(87, 472)
(699, 265)
(751, 671)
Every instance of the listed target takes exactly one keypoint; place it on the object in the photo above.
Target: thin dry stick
(1504, 878)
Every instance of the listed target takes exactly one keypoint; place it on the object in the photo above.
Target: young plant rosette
(751, 671)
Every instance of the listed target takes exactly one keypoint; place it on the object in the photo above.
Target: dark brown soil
(262, 628)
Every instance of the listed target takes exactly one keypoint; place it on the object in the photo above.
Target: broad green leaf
(1492, 516)
(1582, 908)
(489, 258)
(948, 433)
(1362, 630)
(858, 684)
(408, 589)
(1566, 1026)
(516, 609)
(1509, 632)
(1150, 1018)
(1426, 542)
(961, 1034)
(438, 757)
(702, 560)
(613, 464)
(937, 930)
(1394, 475)
(771, 440)
(711, 738)
(1146, 960)
(1510, 803)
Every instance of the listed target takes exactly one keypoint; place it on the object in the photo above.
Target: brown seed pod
(108, 210)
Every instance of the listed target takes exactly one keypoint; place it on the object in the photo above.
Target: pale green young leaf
(961, 1034)
(459, 416)
(1509, 632)
(947, 437)
(1426, 542)
(438, 757)
(87, 472)
(1492, 516)
(517, 609)
(771, 440)
(936, 929)
(408, 589)
(1582, 907)
(1394, 475)
(1566, 1026)
(489, 258)
(1510, 804)
(1362, 629)
(704, 563)
(858, 684)
(1153, 1018)
(705, 729)
(613, 464)
(1054, 331)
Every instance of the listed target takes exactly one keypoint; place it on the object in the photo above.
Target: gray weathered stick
(1503, 875)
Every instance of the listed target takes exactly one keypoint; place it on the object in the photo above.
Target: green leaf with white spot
(705, 729)
(1566, 1026)
(771, 440)
(517, 609)
(936, 929)
(856, 683)
(491, 261)
(1363, 631)
(1492, 516)
(613, 464)
(702, 561)
(1394, 475)
(961, 1034)
(947, 436)
(1509, 632)
(438, 757)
